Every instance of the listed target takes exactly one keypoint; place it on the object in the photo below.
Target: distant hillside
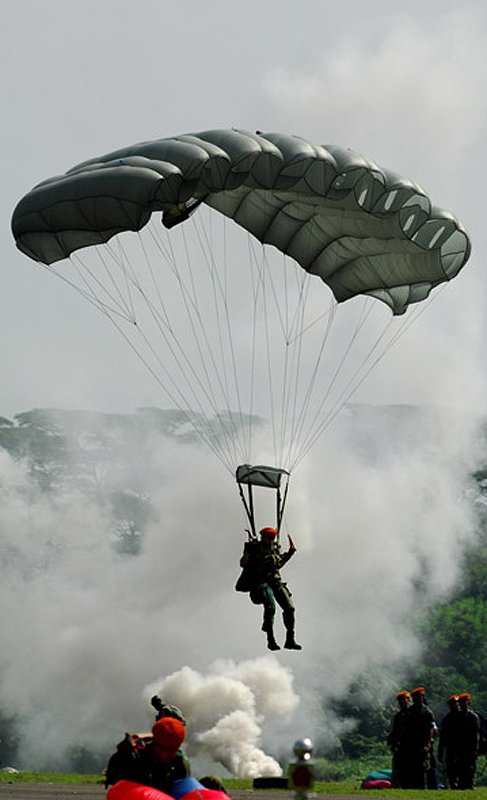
(53, 439)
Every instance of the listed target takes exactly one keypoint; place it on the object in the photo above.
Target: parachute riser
(249, 508)
(281, 504)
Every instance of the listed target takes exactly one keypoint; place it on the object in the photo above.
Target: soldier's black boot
(291, 643)
(271, 642)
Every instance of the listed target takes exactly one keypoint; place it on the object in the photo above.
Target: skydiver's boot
(288, 618)
(271, 642)
(291, 643)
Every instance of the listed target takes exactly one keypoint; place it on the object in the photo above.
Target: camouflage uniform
(261, 564)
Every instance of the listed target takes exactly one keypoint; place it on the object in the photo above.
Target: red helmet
(268, 533)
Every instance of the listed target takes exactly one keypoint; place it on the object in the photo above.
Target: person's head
(404, 699)
(168, 735)
(464, 700)
(453, 702)
(418, 695)
(268, 536)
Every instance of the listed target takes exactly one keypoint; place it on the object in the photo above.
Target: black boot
(291, 643)
(271, 642)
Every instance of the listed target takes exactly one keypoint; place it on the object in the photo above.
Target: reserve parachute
(256, 359)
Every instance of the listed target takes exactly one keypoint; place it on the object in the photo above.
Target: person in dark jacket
(416, 742)
(154, 760)
(446, 745)
(394, 737)
(466, 742)
(261, 562)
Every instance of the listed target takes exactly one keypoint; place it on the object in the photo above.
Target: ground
(63, 791)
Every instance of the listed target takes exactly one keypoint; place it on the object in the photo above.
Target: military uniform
(415, 746)
(446, 744)
(261, 577)
(466, 737)
(395, 736)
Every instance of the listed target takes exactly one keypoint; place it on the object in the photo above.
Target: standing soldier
(416, 742)
(446, 744)
(467, 742)
(394, 738)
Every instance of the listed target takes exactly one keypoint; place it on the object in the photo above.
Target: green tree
(455, 640)
(372, 719)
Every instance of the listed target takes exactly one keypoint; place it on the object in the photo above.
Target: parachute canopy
(246, 341)
(362, 229)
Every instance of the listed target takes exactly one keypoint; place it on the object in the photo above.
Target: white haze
(88, 635)
(227, 709)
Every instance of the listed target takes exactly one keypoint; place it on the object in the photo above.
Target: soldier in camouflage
(261, 561)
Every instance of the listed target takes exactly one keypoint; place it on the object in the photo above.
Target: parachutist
(261, 561)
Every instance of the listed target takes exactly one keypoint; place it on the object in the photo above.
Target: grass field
(236, 784)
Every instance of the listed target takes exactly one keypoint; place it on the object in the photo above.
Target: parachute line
(362, 373)
(197, 359)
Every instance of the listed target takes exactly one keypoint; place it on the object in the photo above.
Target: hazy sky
(405, 85)
(402, 83)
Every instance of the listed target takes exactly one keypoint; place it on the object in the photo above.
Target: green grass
(237, 784)
(48, 777)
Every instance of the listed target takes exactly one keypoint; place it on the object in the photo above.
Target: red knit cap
(168, 734)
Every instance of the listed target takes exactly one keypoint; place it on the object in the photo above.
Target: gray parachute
(361, 228)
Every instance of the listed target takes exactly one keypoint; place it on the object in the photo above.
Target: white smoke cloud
(227, 709)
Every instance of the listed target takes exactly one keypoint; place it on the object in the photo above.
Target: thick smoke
(88, 632)
(228, 708)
